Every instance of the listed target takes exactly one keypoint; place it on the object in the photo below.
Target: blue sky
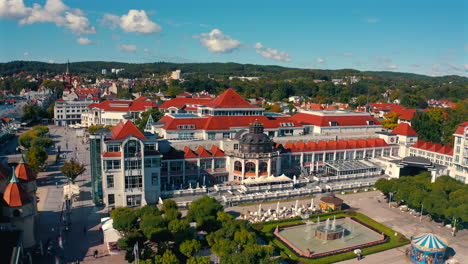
(426, 37)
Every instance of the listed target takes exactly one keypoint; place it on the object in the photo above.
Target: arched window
(237, 166)
(263, 167)
(250, 167)
(132, 149)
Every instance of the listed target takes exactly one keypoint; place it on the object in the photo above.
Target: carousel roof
(429, 242)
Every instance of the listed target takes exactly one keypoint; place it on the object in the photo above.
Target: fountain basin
(327, 234)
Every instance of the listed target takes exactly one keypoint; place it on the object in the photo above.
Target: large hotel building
(207, 141)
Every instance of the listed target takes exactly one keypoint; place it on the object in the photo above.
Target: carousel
(427, 249)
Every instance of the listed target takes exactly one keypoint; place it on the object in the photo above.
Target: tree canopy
(72, 169)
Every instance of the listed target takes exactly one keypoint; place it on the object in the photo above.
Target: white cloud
(466, 67)
(136, 21)
(391, 67)
(13, 9)
(25, 54)
(51, 61)
(83, 41)
(53, 11)
(272, 53)
(320, 60)
(128, 48)
(217, 42)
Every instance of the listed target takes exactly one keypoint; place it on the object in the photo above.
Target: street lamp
(390, 198)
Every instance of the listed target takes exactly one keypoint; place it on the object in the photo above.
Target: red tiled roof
(202, 152)
(230, 99)
(334, 145)
(111, 154)
(124, 105)
(124, 129)
(461, 129)
(406, 114)
(405, 129)
(16, 195)
(179, 102)
(324, 121)
(217, 152)
(142, 99)
(24, 172)
(188, 153)
(429, 146)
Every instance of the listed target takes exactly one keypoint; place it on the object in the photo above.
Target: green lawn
(264, 230)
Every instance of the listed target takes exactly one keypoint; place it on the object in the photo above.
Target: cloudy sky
(427, 37)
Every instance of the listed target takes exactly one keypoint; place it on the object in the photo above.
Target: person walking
(95, 253)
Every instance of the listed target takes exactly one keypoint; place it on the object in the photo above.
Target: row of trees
(445, 199)
(35, 142)
(34, 113)
(165, 237)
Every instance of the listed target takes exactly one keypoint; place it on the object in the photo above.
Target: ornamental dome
(24, 172)
(255, 141)
(15, 194)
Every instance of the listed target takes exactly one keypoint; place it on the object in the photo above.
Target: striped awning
(429, 242)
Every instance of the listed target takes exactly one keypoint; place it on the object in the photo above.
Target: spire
(14, 179)
(149, 123)
(68, 64)
(22, 161)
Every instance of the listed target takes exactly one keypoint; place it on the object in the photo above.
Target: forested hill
(214, 70)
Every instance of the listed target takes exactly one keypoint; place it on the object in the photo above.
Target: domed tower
(255, 141)
(255, 157)
(20, 210)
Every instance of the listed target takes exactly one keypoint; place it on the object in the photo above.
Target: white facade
(69, 112)
(459, 169)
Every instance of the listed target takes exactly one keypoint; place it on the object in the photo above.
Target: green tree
(167, 258)
(40, 131)
(276, 108)
(203, 207)
(50, 111)
(141, 121)
(159, 234)
(391, 120)
(94, 129)
(198, 260)
(125, 219)
(72, 169)
(42, 142)
(190, 247)
(148, 210)
(36, 157)
(128, 241)
(151, 221)
(124, 94)
(26, 139)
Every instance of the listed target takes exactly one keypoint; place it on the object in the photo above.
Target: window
(349, 155)
(152, 162)
(186, 135)
(307, 157)
(368, 154)
(133, 200)
(110, 181)
(457, 149)
(271, 133)
(370, 122)
(333, 123)
(318, 157)
(359, 155)
(296, 158)
(250, 167)
(226, 135)
(329, 156)
(237, 166)
(340, 156)
(191, 166)
(220, 163)
(150, 147)
(133, 164)
(112, 164)
(176, 166)
(211, 135)
(459, 140)
(154, 178)
(133, 181)
(132, 149)
(164, 167)
(111, 198)
(186, 126)
(263, 167)
(205, 164)
(113, 148)
(236, 146)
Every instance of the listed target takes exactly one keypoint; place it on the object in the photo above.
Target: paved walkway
(84, 237)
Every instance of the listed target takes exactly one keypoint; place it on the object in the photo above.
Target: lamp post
(390, 198)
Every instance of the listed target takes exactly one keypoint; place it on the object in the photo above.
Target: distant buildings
(175, 75)
(244, 78)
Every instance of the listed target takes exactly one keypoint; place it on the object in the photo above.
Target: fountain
(325, 232)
